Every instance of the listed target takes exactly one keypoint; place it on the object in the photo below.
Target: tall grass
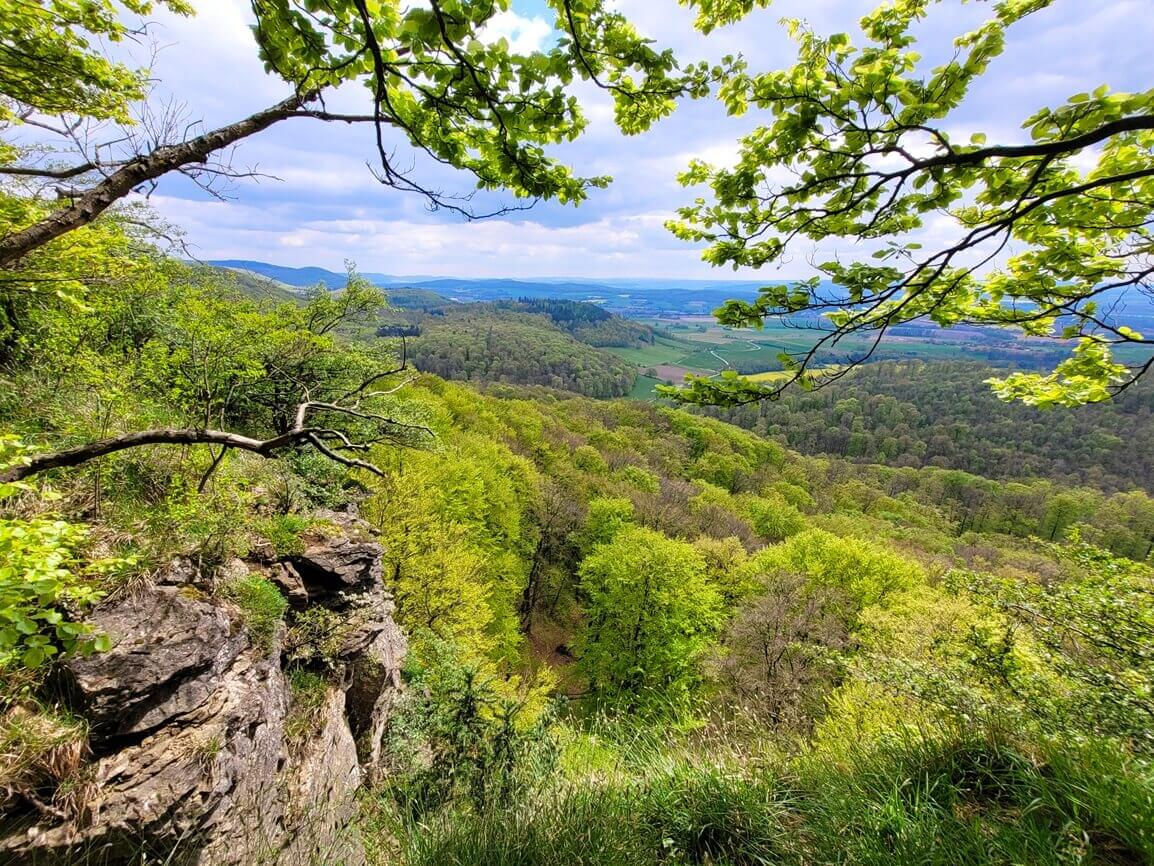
(912, 799)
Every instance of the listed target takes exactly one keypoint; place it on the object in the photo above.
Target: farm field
(698, 345)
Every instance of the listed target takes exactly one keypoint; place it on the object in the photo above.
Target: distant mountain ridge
(628, 297)
(310, 276)
(632, 297)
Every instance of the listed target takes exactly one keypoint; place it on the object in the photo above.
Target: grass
(643, 388)
(781, 375)
(909, 800)
(310, 691)
(262, 607)
(283, 532)
(41, 756)
(662, 351)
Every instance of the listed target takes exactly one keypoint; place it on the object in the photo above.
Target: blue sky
(326, 208)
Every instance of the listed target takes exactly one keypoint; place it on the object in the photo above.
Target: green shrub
(772, 517)
(589, 459)
(283, 532)
(262, 607)
(640, 478)
(317, 634)
(456, 738)
(40, 591)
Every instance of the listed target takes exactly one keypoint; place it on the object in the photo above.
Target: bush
(41, 594)
(773, 518)
(458, 738)
(262, 607)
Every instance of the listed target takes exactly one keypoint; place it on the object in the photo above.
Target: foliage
(866, 572)
(499, 343)
(44, 585)
(589, 323)
(605, 517)
(434, 74)
(759, 633)
(859, 142)
(453, 526)
(915, 414)
(317, 635)
(262, 607)
(49, 61)
(651, 613)
(461, 737)
(773, 518)
(1072, 659)
(40, 593)
(498, 107)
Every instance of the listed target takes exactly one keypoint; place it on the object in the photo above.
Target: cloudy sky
(326, 208)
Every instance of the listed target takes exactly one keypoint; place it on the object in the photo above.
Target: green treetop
(859, 144)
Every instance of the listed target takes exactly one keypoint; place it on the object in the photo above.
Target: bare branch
(300, 434)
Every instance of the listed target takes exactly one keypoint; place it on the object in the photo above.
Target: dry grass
(42, 758)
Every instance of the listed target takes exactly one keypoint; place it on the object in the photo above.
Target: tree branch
(299, 434)
(141, 170)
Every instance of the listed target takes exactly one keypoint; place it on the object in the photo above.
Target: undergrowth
(912, 799)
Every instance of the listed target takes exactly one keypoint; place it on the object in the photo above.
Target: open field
(697, 344)
(663, 351)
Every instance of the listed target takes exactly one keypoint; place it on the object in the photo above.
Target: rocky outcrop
(197, 756)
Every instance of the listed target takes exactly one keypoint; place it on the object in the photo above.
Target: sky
(324, 207)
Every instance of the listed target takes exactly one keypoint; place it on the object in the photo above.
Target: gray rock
(170, 649)
(349, 563)
(285, 577)
(191, 760)
(374, 684)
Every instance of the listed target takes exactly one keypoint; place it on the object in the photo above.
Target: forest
(534, 342)
(842, 613)
(942, 413)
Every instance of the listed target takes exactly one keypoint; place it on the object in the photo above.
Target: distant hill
(629, 297)
(420, 300)
(506, 343)
(299, 277)
(589, 323)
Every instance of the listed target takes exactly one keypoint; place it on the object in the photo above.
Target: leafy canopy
(435, 78)
(40, 588)
(651, 614)
(49, 63)
(859, 144)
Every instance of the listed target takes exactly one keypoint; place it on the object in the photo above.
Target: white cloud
(329, 208)
(525, 35)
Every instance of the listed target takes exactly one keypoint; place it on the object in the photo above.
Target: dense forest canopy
(520, 344)
(940, 413)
